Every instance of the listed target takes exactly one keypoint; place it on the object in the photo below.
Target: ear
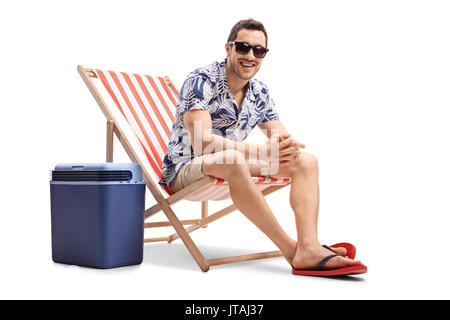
(228, 49)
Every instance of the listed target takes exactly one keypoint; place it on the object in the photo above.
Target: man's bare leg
(247, 197)
(304, 200)
(306, 252)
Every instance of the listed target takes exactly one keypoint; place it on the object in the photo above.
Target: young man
(218, 107)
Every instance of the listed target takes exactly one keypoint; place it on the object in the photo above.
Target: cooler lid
(130, 172)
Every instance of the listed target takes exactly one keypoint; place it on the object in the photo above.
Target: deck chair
(146, 106)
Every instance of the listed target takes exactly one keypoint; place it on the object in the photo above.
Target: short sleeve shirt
(207, 89)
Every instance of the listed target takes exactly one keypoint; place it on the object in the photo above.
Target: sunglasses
(243, 48)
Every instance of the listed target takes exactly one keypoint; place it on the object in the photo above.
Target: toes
(341, 262)
(355, 262)
(340, 250)
(351, 263)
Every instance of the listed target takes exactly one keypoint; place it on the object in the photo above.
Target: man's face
(246, 66)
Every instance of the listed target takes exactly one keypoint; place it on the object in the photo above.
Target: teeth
(246, 65)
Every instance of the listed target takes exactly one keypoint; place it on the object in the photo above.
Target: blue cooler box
(97, 214)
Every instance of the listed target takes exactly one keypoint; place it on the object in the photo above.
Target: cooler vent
(113, 175)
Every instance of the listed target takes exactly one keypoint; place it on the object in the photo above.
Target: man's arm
(198, 123)
(268, 126)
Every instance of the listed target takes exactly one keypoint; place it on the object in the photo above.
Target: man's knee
(306, 162)
(224, 164)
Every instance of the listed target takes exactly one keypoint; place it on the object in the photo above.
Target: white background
(364, 84)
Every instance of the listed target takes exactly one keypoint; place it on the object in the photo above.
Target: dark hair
(246, 24)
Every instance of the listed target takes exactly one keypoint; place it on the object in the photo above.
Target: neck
(235, 84)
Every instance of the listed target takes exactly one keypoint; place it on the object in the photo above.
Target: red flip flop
(351, 252)
(332, 272)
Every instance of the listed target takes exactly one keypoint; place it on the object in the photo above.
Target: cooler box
(97, 214)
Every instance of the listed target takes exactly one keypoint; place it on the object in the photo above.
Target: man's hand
(287, 149)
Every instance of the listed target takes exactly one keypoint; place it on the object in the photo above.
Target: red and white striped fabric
(149, 106)
(219, 189)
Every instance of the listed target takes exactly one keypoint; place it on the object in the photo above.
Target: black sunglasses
(243, 47)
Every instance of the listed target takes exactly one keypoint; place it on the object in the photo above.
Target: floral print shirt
(207, 89)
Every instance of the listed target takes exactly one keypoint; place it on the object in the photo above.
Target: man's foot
(339, 250)
(307, 258)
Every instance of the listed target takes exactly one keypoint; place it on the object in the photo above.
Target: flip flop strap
(327, 247)
(325, 260)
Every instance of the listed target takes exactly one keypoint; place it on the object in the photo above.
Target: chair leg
(187, 240)
(109, 140)
(204, 211)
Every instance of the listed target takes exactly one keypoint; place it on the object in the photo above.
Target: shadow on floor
(176, 256)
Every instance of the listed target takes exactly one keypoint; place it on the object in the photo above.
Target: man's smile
(247, 65)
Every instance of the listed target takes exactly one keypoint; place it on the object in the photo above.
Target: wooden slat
(91, 73)
(216, 216)
(172, 86)
(245, 257)
(152, 211)
(156, 239)
(109, 141)
(204, 211)
(194, 227)
(159, 224)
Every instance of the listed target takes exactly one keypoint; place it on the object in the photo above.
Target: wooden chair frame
(164, 204)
